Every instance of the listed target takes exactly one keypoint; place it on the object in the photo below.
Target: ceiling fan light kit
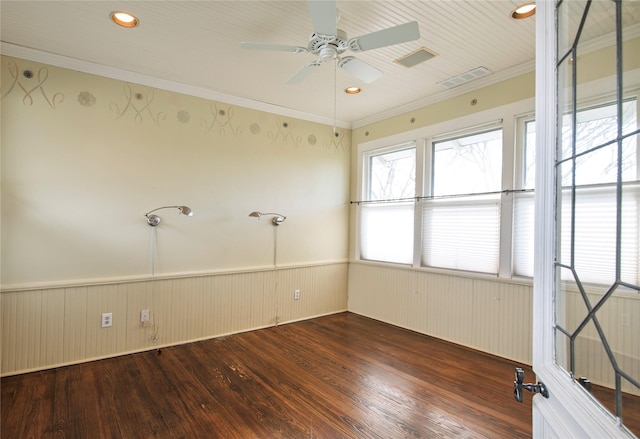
(328, 43)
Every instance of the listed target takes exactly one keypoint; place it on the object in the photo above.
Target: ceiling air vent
(465, 77)
(416, 57)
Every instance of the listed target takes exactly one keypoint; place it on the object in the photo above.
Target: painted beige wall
(503, 93)
(84, 157)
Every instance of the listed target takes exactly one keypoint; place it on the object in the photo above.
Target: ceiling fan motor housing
(328, 47)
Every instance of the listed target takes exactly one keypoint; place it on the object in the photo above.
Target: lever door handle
(519, 386)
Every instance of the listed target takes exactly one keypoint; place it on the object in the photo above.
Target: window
(386, 216)
(457, 224)
(461, 219)
(595, 177)
(465, 200)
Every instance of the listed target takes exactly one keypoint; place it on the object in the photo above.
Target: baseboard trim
(162, 346)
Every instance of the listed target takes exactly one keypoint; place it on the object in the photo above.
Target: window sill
(523, 281)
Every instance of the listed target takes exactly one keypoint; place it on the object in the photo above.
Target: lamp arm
(276, 214)
(163, 207)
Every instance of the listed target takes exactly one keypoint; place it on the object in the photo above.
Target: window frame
(366, 189)
(504, 117)
(365, 152)
(600, 100)
(513, 118)
(464, 199)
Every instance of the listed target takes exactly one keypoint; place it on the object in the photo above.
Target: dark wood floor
(340, 376)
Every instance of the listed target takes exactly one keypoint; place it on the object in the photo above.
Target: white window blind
(523, 244)
(595, 234)
(386, 226)
(595, 175)
(386, 232)
(462, 233)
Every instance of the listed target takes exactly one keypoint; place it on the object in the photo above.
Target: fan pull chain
(335, 95)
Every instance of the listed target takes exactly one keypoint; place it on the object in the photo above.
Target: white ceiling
(194, 46)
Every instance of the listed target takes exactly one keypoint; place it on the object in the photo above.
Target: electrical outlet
(626, 320)
(144, 316)
(107, 320)
(296, 294)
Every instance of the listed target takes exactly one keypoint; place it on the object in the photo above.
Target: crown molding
(151, 81)
(602, 42)
(53, 59)
(448, 94)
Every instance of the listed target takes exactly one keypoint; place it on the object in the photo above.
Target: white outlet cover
(107, 320)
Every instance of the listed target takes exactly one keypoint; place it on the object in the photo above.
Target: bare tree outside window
(466, 165)
(595, 127)
(393, 175)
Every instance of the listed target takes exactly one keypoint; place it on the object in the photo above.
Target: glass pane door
(597, 314)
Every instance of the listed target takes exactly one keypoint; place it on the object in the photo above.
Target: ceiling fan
(329, 43)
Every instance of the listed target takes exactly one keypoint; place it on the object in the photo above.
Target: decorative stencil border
(21, 82)
(139, 103)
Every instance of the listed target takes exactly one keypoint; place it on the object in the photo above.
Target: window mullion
(425, 191)
(421, 177)
(506, 199)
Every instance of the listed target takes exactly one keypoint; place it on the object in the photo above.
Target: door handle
(519, 386)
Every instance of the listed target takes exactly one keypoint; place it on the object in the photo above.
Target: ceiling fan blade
(360, 69)
(386, 37)
(273, 47)
(304, 72)
(323, 16)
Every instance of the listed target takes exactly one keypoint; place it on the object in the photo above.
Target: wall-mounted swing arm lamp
(154, 220)
(277, 219)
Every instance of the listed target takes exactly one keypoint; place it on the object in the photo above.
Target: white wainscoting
(48, 327)
(493, 316)
(619, 319)
(489, 315)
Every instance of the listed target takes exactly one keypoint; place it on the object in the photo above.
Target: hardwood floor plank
(302, 389)
(433, 374)
(210, 392)
(339, 376)
(263, 400)
(29, 397)
(123, 398)
(389, 375)
(164, 400)
(212, 373)
(68, 413)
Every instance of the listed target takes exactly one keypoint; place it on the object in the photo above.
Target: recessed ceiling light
(352, 90)
(524, 11)
(124, 19)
